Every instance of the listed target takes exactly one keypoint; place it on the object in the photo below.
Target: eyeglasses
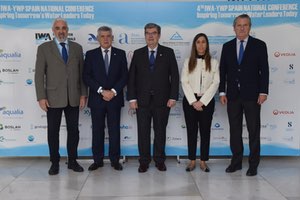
(151, 33)
(64, 28)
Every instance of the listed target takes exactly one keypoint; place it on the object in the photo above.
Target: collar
(102, 49)
(155, 49)
(57, 42)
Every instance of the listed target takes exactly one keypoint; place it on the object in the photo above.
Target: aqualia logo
(13, 113)
(9, 55)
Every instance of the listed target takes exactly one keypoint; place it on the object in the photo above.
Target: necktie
(152, 60)
(106, 60)
(64, 52)
(241, 52)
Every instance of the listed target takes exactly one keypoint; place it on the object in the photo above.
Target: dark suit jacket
(94, 76)
(163, 82)
(61, 84)
(252, 73)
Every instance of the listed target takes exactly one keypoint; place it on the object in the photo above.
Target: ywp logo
(42, 37)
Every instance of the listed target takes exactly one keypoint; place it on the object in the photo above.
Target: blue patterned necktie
(152, 60)
(241, 52)
(106, 61)
(64, 52)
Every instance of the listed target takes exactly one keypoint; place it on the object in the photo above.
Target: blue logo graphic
(92, 38)
(2, 108)
(30, 138)
(176, 36)
(217, 125)
(13, 112)
(123, 38)
(29, 81)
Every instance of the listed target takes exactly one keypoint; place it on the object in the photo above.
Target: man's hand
(133, 105)
(223, 100)
(262, 98)
(44, 104)
(82, 102)
(171, 103)
(108, 95)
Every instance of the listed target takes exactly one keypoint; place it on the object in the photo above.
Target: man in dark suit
(244, 81)
(105, 73)
(152, 90)
(59, 88)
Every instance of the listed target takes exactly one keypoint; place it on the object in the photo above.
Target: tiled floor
(27, 178)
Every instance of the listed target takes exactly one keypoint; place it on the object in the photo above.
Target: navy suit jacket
(252, 74)
(94, 76)
(162, 83)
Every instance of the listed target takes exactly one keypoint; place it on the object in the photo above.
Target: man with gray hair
(105, 73)
(60, 88)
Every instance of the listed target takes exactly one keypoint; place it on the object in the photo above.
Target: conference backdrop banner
(26, 24)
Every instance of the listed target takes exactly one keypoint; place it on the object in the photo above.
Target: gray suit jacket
(61, 84)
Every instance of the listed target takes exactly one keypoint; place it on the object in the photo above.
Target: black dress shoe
(95, 166)
(251, 172)
(73, 164)
(161, 166)
(205, 168)
(117, 166)
(143, 168)
(54, 169)
(231, 168)
(190, 168)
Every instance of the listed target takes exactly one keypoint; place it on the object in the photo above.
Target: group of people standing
(64, 80)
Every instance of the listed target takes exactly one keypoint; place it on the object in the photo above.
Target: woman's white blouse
(200, 81)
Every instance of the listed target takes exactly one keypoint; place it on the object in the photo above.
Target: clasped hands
(107, 95)
(198, 105)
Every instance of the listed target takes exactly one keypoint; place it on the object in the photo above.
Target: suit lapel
(71, 51)
(112, 59)
(100, 61)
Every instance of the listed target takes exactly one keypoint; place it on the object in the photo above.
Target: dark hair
(152, 25)
(194, 53)
(242, 16)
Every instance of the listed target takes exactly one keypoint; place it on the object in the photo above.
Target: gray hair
(242, 16)
(59, 19)
(152, 25)
(104, 28)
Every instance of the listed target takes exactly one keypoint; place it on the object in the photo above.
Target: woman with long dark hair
(200, 81)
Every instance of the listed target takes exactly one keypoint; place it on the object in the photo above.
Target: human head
(105, 37)
(200, 45)
(242, 25)
(60, 29)
(152, 34)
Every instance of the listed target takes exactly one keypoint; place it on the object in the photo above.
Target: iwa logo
(42, 37)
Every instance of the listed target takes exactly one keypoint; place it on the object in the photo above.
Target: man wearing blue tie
(152, 91)
(105, 73)
(244, 81)
(60, 88)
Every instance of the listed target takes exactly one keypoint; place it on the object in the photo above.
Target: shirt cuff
(100, 90)
(114, 91)
(222, 94)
